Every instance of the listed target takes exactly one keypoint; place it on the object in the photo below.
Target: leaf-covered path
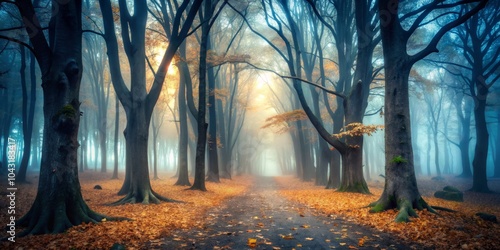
(261, 219)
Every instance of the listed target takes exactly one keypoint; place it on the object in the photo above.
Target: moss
(398, 159)
(357, 187)
(67, 111)
(377, 207)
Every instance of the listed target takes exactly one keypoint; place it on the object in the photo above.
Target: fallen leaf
(252, 242)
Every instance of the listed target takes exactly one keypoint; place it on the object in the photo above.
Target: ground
(265, 213)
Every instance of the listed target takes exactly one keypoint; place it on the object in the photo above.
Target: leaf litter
(445, 230)
(149, 222)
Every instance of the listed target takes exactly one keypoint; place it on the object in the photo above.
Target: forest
(249, 124)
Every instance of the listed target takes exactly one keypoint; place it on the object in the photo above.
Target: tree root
(57, 219)
(405, 207)
(444, 209)
(145, 197)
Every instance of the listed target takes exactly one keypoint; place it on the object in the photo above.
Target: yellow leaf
(252, 242)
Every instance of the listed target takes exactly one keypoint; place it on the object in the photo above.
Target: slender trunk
(28, 116)
(479, 178)
(115, 144)
(497, 151)
(183, 177)
(199, 176)
(213, 161)
(436, 151)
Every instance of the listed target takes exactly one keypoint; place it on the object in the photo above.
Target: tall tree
(480, 41)
(136, 101)
(400, 190)
(59, 203)
(206, 14)
(28, 114)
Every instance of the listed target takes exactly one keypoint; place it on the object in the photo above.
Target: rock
(487, 217)
(451, 189)
(98, 187)
(450, 193)
(437, 178)
(117, 246)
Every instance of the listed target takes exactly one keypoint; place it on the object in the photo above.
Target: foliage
(358, 129)
(281, 123)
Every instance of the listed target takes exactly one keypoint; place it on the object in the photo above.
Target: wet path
(261, 219)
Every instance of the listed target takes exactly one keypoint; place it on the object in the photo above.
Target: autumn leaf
(252, 242)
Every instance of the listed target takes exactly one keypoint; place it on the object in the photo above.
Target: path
(273, 222)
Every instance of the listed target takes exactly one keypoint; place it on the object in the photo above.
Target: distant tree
(28, 113)
(480, 42)
(400, 190)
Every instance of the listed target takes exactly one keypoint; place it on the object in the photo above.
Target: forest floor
(262, 219)
(446, 230)
(149, 222)
(266, 213)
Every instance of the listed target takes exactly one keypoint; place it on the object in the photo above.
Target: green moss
(398, 159)
(357, 187)
(377, 208)
(67, 111)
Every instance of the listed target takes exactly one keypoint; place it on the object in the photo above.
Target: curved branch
(19, 42)
(316, 85)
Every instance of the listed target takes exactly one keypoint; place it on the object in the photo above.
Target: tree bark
(59, 203)
(183, 178)
(213, 161)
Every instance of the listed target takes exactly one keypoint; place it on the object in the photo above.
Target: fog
(261, 126)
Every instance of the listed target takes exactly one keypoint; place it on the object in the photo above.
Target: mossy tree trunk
(59, 204)
(400, 190)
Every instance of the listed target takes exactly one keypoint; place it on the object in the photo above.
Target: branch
(94, 32)
(432, 46)
(19, 42)
(318, 86)
(375, 112)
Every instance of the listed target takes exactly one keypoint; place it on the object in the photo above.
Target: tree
(400, 190)
(480, 41)
(136, 101)
(59, 203)
(206, 14)
(28, 113)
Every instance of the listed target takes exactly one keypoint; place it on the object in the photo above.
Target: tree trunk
(213, 161)
(28, 116)
(183, 177)
(465, 141)
(497, 151)
(479, 178)
(136, 143)
(400, 190)
(115, 144)
(59, 203)
(199, 176)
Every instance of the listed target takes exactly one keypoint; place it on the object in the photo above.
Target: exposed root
(444, 209)
(144, 197)
(362, 189)
(405, 207)
(58, 218)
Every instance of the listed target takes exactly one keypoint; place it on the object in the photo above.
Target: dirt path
(274, 223)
